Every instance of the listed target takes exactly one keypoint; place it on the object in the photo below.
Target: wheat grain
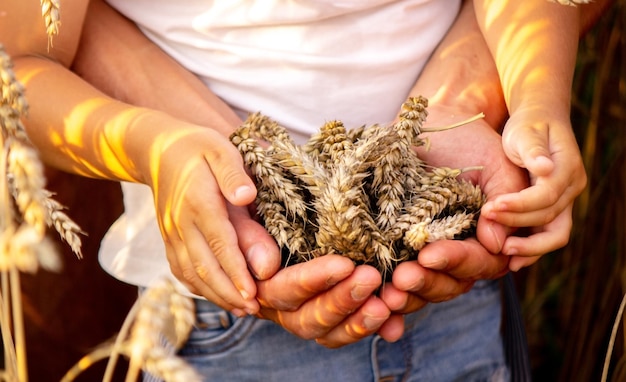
(67, 229)
(571, 2)
(431, 230)
(50, 11)
(411, 118)
(12, 90)
(26, 180)
(306, 168)
(328, 144)
(270, 178)
(25, 173)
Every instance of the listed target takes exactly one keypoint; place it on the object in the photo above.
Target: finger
(433, 286)
(528, 147)
(491, 234)
(319, 315)
(400, 301)
(518, 262)
(392, 329)
(220, 251)
(292, 286)
(200, 289)
(463, 259)
(259, 248)
(538, 197)
(194, 214)
(526, 219)
(366, 321)
(545, 239)
(516, 212)
(207, 271)
(227, 167)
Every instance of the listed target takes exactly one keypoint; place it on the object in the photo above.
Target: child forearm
(534, 47)
(79, 130)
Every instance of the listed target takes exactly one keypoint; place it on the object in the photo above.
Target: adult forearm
(461, 73)
(140, 73)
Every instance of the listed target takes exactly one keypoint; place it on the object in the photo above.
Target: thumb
(491, 234)
(259, 248)
(227, 167)
(529, 148)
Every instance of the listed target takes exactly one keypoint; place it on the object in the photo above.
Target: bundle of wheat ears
(362, 193)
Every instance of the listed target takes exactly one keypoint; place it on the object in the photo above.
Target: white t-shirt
(300, 62)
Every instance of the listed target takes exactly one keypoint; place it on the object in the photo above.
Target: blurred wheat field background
(571, 298)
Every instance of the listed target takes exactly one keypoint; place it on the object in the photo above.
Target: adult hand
(327, 299)
(446, 269)
(548, 150)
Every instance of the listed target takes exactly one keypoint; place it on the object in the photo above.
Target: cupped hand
(201, 189)
(545, 145)
(329, 300)
(446, 269)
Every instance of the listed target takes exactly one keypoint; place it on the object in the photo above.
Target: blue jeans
(458, 340)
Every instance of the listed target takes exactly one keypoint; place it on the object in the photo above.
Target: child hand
(201, 189)
(548, 150)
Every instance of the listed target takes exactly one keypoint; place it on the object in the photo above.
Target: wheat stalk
(161, 312)
(618, 319)
(26, 211)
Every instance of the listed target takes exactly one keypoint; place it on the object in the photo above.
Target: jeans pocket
(216, 330)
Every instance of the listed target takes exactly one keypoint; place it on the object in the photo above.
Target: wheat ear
(50, 11)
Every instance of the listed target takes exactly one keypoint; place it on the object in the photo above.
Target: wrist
(446, 107)
(146, 137)
(546, 105)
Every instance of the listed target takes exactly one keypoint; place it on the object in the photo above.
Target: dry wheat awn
(362, 193)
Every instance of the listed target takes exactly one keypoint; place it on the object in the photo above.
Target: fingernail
(487, 211)
(373, 323)
(245, 294)
(243, 192)
(251, 311)
(418, 285)
(256, 256)
(335, 278)
(496, 237)
(515, 267)
(501, 206)
(238, 312)
(360, 292)
(436, 263)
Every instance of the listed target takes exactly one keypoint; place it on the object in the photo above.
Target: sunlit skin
(171, 167)
(180, 149)
(534, 46)
(439, 284)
